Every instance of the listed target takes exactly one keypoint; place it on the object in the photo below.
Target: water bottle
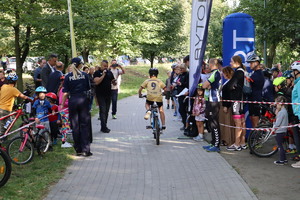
(7, 124)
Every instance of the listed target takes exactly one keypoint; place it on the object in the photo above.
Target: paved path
(128, 165)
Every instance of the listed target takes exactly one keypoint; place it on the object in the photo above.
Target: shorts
(159, 104)
(254, 109)
(200, 118)
(168, 95)
(238, 110)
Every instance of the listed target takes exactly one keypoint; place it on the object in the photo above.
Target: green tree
(278, 24)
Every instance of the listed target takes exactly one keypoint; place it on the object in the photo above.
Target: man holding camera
(103, 79)
(117, 70)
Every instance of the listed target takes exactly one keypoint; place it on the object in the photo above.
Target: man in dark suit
(48, 68)
(53, 85)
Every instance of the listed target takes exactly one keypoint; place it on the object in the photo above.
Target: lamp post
(73, 45)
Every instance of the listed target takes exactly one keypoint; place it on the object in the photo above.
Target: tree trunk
(85, 54)
(152, 55)
(272, 54)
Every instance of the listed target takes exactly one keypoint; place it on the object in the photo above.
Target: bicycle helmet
(12, 77)
(199, 86)
(267, 72)
(288, 74)
(51, 95)
(153, 71)
(296, 65)
(41, 89)
(278, 81)
(275, 69)
(253, 58)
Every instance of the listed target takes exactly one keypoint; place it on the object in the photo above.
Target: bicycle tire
(16, 156)
(258, 148)
(5, 168)
(157, 130)
(43, 141)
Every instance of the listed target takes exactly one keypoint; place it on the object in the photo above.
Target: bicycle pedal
(148, 127)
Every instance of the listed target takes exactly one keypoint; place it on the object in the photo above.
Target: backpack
(247, 90)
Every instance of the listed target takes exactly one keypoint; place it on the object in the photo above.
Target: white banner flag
(199, 29)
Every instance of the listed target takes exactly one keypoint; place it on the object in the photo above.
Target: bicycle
(262, 143)
(5, 167)
(155, 122)
(21, 149)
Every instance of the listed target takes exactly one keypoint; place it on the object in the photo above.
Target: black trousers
(212, 115)
(114, 99)
(183, 109)
(54, 130)
(104, 105)
(80, 122)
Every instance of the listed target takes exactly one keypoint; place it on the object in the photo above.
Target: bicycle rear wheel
(5, 168)
(17, 154)
(262, 148)
(43, 141)
(157, 130)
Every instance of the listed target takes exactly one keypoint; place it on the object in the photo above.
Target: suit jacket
(53, 85)
(46, 71)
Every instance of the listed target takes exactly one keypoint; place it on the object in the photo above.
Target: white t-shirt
(116, 72)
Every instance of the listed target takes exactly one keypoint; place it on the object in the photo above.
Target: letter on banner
(199, 29)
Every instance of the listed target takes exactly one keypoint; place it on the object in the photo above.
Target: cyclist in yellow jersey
(154, 87)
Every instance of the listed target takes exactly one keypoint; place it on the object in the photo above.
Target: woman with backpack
(235, 86)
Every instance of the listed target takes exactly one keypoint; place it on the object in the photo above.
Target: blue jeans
(114, 99)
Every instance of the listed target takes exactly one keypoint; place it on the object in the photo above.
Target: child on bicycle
(199, 112)
(7, 98)
(281, 120)
(154, 88)
(41, 107)
(54, 120)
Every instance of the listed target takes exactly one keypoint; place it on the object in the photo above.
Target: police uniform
(79, 110)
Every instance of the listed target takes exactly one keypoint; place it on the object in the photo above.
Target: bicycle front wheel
(157, 130)
(43, 141)
(5, 168)
(20, 151)
(259, 146)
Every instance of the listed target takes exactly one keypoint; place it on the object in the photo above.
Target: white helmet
(296, 65)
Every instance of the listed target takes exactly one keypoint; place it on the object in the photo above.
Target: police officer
(76, 87)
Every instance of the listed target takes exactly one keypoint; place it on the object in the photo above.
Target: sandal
(296, 158)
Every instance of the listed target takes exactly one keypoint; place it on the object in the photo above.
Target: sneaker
(207, 146)
(168, 106)
(175, 114)
(107, 130)
(233, 147)
(244, 146)
(163, 127)
(291, 151)
(114, 116)
(66, 145)
(279, 162)
(296, 158)
(213, 149)
(198, 138)
(148, 113)
(296, 165)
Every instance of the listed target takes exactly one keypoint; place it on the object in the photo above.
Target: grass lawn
(32, 181)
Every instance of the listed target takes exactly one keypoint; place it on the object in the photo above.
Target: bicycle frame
(17, 114)
(154, 113)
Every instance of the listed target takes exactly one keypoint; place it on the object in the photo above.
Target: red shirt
(53, 118)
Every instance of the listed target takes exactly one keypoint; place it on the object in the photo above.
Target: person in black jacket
(48, 68)
(183, 82)
(55, 77)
